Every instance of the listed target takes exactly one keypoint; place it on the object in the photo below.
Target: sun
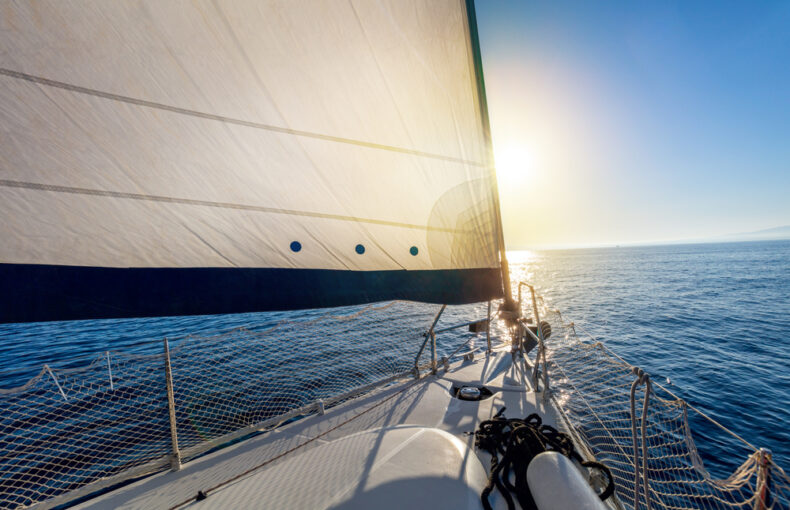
(513, 165)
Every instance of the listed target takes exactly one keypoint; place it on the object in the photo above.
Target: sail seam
(224, 205)
(229, 120)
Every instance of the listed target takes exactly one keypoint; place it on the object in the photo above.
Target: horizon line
(635, 244)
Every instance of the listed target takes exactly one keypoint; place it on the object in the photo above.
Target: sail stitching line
(224, 205)
(210, 116)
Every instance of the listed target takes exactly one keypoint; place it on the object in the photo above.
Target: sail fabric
(263, 154)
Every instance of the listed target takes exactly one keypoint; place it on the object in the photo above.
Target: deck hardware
(469, 393)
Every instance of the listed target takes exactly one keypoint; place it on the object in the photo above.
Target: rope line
(664, 388)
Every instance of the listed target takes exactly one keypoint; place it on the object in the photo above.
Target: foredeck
(273, 470)
(314, 431)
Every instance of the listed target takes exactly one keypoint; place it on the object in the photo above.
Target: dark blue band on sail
(32, 293)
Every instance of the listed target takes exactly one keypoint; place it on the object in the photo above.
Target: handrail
(458, 349)
(417, 358)
(436, 319)
(541, 354)
(429, 335)
(462, 325)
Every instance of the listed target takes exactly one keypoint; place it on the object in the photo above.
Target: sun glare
(521, 256)
(513, 165)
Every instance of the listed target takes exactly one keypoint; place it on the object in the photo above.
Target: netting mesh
(67, 428)
(593, 387)
(303, 361)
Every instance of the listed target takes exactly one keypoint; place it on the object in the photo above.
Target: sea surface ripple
(712, 319)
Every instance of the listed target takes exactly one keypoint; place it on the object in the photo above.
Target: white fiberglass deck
(401, 446)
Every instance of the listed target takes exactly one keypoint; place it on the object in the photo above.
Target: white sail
(315, 135)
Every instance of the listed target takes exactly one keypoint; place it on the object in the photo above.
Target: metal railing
(184, 426)
(430, 335)
(656, 464)
(540, 370)
(69, 433)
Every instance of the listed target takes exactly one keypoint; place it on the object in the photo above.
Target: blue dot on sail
(296, 246)
(414, 251)
(360, 249)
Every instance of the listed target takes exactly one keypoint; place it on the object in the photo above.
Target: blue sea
(711, 321)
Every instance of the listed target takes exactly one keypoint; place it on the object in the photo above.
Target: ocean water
(710, 320)
(713, 320)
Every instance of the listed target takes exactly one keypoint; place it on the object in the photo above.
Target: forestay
(167, 158)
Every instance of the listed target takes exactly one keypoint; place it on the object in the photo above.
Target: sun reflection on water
(522, 256)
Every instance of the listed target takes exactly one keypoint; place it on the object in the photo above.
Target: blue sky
(619, 122)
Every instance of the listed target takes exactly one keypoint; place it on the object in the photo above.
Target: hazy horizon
(638, 123)
(780, 233)
(644, 244)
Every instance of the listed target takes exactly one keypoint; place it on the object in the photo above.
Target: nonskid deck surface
(385, 447)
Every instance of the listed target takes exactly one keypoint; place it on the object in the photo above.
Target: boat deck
(406, 444)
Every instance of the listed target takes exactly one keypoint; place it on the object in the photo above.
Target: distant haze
(760, 235)
(625, 122)
(769, 234)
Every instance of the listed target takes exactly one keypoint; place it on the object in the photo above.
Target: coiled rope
(518, 441)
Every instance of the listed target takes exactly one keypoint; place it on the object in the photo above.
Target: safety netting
(649, 447)
(66, 430)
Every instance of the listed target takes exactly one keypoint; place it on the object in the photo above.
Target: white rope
(55, 379)
(700, 412)
(109, 370)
